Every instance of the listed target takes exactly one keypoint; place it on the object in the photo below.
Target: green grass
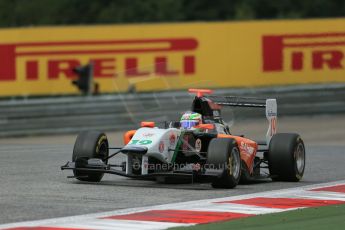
(321, 218)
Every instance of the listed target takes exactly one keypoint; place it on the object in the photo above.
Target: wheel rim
(300, 157)
(234, 163)
(103, 150)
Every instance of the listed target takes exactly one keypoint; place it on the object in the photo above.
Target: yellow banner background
(228, 54)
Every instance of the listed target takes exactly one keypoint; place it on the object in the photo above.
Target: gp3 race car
(205, 151)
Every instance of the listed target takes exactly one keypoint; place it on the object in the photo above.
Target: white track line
(238, 208)
(106, 224)
(93, 221)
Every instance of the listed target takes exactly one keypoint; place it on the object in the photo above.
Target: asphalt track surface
(33, 187)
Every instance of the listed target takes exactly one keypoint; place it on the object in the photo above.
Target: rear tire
(286, 157)
(223, 153)
(89, 144)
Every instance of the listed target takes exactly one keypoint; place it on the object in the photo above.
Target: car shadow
(181, 185)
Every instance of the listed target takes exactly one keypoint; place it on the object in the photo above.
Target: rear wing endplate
(271, 115)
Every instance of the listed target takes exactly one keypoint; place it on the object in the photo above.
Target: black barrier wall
(125, 111)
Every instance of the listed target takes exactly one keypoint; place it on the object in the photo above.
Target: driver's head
(190, 119)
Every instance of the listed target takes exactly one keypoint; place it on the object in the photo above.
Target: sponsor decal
(145, 162)
(161, 146)
(271, 113)
(273, 126)
(185, 142)
(198, 145)
(148, 134)
(172, 139)
(216, 113)
(196, 167)
(60, 57)
(318, 51)
(247, 148)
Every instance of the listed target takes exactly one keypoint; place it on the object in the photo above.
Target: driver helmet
(190, 119)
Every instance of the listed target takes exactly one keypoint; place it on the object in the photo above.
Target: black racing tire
(223, 153)
(89, 144)
(286, 157)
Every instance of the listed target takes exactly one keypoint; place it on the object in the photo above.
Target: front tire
(89, 144)
(286, 157)
(224, 153)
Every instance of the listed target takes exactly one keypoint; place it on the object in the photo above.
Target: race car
(199, 147)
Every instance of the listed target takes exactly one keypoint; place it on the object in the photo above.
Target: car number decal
(140, 142)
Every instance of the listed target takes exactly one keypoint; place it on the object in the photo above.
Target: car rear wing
(269, 104)
(238, 101)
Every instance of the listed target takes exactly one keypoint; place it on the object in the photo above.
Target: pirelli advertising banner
(40, 61)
